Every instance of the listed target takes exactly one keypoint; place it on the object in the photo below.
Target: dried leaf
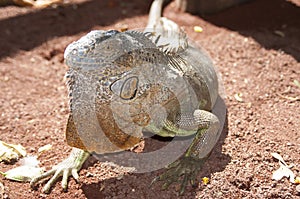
(297, 83)
(1, 190)
(298, 188)
(283, 171)
(44, 148)
(238, 97)
(279, 33)
(30, 161)
(278, 157)
(198, 29)
(23, 173)
(289, 98)
(205, 180)
(11, 152)
(37, 3)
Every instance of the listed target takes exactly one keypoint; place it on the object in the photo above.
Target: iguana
(123, 83)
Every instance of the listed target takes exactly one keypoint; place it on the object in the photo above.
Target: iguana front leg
(191, 162)
(70, 166)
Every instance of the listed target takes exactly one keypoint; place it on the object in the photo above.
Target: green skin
(138, 70)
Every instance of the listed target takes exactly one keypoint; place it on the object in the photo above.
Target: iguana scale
(115, 81)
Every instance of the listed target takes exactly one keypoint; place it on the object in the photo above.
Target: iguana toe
(185, 170)
(68, 167)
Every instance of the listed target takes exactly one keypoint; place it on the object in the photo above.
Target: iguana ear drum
(125, 88)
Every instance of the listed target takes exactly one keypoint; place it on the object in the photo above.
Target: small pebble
(88, 174)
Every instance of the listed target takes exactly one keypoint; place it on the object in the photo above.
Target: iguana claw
(188, 167)
(66, 168)
(56, 172)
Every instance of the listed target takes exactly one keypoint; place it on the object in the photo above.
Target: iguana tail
(155, 13)
(166, 34)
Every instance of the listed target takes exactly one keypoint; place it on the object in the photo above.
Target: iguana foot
(66, 168)
(188, 167)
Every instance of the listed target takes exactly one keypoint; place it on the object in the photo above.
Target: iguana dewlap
(124, 83)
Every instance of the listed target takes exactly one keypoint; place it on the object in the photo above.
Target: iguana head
(91, 50)
(113, 74)
(113, 59)
(100, 48)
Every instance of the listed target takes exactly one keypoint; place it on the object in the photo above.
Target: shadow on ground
(26, 31)
(125, 186)
(272, 23)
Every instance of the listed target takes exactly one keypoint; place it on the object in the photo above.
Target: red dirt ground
(254, 59)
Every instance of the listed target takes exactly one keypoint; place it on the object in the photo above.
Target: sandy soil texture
(255, 46)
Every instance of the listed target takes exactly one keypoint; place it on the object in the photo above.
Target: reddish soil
(253, 58)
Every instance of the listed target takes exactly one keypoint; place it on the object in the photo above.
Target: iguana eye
(125, 88)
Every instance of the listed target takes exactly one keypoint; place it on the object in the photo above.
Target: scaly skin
(122, 83)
